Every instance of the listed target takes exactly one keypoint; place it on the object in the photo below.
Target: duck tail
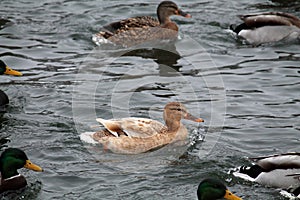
(252, 171)
(296, 192)
(237, 28)
(87, 137)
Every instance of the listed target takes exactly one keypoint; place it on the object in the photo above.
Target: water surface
(248, 96)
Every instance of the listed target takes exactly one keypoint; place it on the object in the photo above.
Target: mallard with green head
(4, 69)
(213, 189)
(138, 30)
(11, 160)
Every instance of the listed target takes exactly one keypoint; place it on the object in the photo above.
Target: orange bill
(230, 196)
(30, 165)
(188, 116)
(10, 71)
(183, 14)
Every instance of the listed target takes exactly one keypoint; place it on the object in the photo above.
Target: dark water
(248, 96)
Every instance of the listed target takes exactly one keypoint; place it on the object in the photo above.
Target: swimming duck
(3, 141)
(137, 135)
(280, 171)
(3, 98)
(138, 30)
(268, 27)
(11, 160)
(4, 69)
(213, 189)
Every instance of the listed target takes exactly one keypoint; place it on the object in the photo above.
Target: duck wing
(270, 19)
(128, 24)
(279, 161)
(132, 126)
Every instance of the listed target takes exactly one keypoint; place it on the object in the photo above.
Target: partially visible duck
(280, 171)
(3, 141)
(268, 27)
(138, 135)
(213, 189)
(3, 99)
(11, 160)
(138, 30)
(4, 69)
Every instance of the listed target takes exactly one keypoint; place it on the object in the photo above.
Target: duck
(3, 141)
(138, 30)
(11, 160)
(267, 27)
(213, 189)
(3, 98)
(4, 69)
(278, 171)
(135, 135)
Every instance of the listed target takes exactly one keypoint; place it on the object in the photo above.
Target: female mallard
(281, 171)
(4, 69)
(212, 189)
(11, 160)
(137, 30)
(268, 27)
(137, 135)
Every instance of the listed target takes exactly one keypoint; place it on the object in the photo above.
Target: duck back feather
(268, 27)
(270, 19)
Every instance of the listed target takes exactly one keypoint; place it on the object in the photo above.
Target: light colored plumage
(280, 171)
(132, 126)
(268, 27)
(138, 135)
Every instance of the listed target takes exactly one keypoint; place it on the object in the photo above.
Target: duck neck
(173, 125)
(7, 172)
(163, 18)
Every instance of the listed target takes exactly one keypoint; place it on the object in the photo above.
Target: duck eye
(178, 109)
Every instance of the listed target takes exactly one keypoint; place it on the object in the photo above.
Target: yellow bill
(230, 196)
(10, 71)
(30, 165)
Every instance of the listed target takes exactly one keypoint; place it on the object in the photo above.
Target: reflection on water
(165, 59)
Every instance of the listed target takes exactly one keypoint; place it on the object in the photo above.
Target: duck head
(13, 159)
(174, 112)
(168, 8)
(4, 69)
(213, 189)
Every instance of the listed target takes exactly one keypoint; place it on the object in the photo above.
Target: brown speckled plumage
(137, 30)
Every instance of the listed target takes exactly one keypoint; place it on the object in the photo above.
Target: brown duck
(137, 135)
(138, 30)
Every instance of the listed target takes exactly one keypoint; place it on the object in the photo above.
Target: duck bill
(188, 116)
(30, 165)
(183, 14)
(230, 196)
(10, 71)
